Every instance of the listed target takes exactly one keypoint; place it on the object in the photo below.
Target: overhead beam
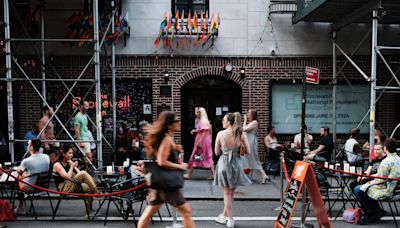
(356, 14)
(303, 11)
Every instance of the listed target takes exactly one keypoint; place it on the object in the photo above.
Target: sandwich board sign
(302, 174)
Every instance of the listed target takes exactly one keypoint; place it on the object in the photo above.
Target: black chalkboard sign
(289, 203)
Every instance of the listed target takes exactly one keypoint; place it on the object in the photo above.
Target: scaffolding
(384, 11)
(94, 61)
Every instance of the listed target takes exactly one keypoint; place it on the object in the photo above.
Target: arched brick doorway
(218, 95)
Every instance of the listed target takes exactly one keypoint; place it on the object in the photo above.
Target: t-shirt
(36, 163)
(349, 145)
(297, 140)
(327, 141)
(82, 121)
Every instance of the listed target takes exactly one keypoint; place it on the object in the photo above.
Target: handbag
(198, 156)
(354, 216)
(6, 212)
(243, 150)
(161, 178)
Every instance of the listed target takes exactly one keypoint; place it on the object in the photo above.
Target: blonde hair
(237, 125)
(204, 117)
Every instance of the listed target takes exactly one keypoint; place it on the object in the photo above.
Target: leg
(186, 213)
(369, 206)
(228, 202)
(264, 176)
(147, 214)
(89, 200)
(187, 175)
(212, 168)
(84, 177)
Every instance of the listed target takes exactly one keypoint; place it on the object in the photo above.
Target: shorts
(86, 148)
(157, 197)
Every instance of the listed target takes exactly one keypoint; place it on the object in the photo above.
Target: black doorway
(210, 92)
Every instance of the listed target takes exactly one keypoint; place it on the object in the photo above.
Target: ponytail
(237, 126)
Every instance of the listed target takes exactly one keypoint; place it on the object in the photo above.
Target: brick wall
(260, 73)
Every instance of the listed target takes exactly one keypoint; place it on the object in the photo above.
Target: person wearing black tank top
(160, 144)
(67, 170)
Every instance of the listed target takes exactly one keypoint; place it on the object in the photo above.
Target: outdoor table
(345, 194)
(8, 183)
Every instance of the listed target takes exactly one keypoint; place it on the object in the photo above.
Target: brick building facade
(260, 74)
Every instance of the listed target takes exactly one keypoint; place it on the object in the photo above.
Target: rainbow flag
(189, 26)
(183, 28)
(195, 26)
(161, 32)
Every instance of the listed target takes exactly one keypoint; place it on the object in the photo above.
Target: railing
(281, 7)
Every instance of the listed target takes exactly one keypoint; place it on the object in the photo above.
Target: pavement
(255, 206)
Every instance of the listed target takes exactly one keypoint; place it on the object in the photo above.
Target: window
(192, 5)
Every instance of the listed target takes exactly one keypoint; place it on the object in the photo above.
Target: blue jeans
(368, 205)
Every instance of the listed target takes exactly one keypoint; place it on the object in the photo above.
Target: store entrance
(217, 95)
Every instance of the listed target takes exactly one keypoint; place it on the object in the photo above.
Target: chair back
(43, 180)
(396, 192)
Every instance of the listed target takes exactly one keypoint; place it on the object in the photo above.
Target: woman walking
(229, 171)
(251, 161)
(202, 155)
(159, 143)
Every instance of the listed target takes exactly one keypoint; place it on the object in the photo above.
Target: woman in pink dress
(202, 154)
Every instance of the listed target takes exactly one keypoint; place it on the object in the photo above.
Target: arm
(246, 144)
(383, 171)
(163, 153)
(217, 147)
(367, 172)
(250, 127)
(202, 135)
(41, 125)
(266, 142)
(318, 150)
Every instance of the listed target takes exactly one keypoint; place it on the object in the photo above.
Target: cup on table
(7, 165)
(346, 167)
(352, 169)
(121, 170)
(331, 166)
(359, 170)
(109, 169)
(326, 164)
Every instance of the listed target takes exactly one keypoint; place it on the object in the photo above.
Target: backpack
(354, 216)
(271, 167)
(6, 212)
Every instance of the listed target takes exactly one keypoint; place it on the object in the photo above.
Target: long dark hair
(155, 133)
(63, 150)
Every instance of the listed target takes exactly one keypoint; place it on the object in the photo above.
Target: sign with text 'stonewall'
(351, 106)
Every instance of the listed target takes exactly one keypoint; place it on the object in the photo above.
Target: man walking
(81, 128)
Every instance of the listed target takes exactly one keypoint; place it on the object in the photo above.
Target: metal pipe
(50, 40)
(97, 77)
(43, 65)
(387, 48)
(334, 81)
(373, 78)
(49, 79)
(388, 67)
(58, 140)
(55, 116)
(114, 97)
(386, 87)
(7, 36)
(352, 62)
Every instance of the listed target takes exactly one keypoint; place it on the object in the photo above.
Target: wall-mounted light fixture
(166, 76)
(242, 72)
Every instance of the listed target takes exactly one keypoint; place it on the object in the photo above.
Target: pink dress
(202, 157)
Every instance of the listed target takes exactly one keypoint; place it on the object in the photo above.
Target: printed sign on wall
(351, 106)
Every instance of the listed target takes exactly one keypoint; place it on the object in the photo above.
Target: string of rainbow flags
(202, 28)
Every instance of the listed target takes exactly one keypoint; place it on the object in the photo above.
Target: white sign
(225, 108)
(351, 106)
(146, 108)
(218, 111)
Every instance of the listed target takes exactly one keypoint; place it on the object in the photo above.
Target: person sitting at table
(372, 166)
(352, 147)
(379, 138)
(70, 179)
(270, 140)
(36, 163)
(307, 140)
(324, 150)
(369, 193)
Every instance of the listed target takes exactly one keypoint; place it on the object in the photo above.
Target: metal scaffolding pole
(7, 36)
(43, 51)
(114, 98)
(334, 82)
(373, 78)
(97, 77)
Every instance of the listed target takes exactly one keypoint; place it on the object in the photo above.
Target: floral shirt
(380, 188)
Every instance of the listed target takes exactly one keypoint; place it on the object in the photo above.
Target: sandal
(265, 180)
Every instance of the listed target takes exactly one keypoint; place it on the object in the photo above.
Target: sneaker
(221, 219)
(20, 211)
(230, 223)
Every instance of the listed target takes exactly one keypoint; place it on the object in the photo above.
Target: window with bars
(192, 5)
